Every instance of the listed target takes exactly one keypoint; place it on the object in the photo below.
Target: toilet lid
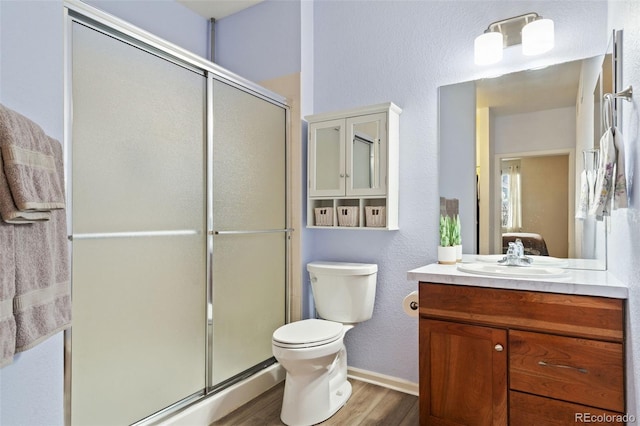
(310, 332)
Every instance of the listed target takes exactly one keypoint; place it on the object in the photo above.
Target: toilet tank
(343, 292)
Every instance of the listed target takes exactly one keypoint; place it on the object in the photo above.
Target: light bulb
(488, 48)
(537, 37)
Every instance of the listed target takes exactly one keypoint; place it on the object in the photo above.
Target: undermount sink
(540, 261)
(484, 268)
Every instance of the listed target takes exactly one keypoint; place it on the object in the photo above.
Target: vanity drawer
(582, 371)
(531, 410)
(580, 316)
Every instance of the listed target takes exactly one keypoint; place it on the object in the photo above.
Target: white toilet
(312, 351)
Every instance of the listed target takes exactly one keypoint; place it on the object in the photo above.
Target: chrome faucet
(515, 255)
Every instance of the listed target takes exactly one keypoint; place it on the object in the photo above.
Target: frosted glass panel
(249, 161)
(249, 194)
(138, 336)
(248, 300)
(137, 138)
(138, 326)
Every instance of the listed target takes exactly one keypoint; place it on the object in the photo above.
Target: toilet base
(295, 415)
(340, 397)
(314, 397)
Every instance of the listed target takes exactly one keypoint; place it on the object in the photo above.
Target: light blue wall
(261, 42)
(164, 18)
(31, 75)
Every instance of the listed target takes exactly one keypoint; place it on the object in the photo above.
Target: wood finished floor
(369, 405)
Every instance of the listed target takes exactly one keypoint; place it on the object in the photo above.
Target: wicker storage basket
(375, 216)
(347, 216)
(324, 216)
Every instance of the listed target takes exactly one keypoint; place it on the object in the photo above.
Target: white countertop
(583, 282)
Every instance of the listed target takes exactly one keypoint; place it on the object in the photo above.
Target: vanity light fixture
(532, 31)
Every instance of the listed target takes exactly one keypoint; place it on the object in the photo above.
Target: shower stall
(176, 184)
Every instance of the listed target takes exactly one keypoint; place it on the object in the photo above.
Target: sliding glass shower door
(138, 223)
(178, 196)
(249, 221)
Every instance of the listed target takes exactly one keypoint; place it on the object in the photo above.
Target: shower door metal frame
(78, 12)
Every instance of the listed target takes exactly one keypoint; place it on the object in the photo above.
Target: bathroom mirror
(359, 162)
(512, 150)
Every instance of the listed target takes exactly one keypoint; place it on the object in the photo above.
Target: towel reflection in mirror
(511, 196)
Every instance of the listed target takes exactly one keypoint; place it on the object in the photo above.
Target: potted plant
(446, 249)
(456, 237)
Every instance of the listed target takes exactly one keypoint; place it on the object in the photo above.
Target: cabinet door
(366, 171)
(463, 374)
(327, 158)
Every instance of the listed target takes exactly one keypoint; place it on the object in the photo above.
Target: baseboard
(383, 380)
(224, 402)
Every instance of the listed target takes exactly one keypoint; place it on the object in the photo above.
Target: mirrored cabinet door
(366, 170)
(353, 158)
(327, 158)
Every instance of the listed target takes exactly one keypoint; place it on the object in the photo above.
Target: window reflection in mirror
(530, 207)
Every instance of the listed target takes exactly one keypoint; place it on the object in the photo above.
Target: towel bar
(257, 231)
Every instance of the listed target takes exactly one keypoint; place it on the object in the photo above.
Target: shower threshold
(221, 400)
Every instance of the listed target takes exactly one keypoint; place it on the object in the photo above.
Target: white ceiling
(532, 90)
(217, 9)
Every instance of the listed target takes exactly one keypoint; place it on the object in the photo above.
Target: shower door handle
(133, 234)
(256, 231)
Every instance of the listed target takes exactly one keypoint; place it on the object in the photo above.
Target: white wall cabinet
(353, 168)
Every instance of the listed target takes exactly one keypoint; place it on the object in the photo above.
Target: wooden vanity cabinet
(497, 357)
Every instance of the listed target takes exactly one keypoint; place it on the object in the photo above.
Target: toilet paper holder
(410, 304)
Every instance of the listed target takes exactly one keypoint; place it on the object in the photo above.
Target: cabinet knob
(498, 347)
(341, 175)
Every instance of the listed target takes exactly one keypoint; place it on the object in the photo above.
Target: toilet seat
(307, 333)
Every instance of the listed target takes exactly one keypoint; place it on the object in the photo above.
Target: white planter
(447, 255)
(458, 252)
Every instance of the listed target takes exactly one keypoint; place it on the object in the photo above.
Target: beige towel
(8, 210)
(29, 164)
(7, 291)
(42, 306)
(35, 290)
